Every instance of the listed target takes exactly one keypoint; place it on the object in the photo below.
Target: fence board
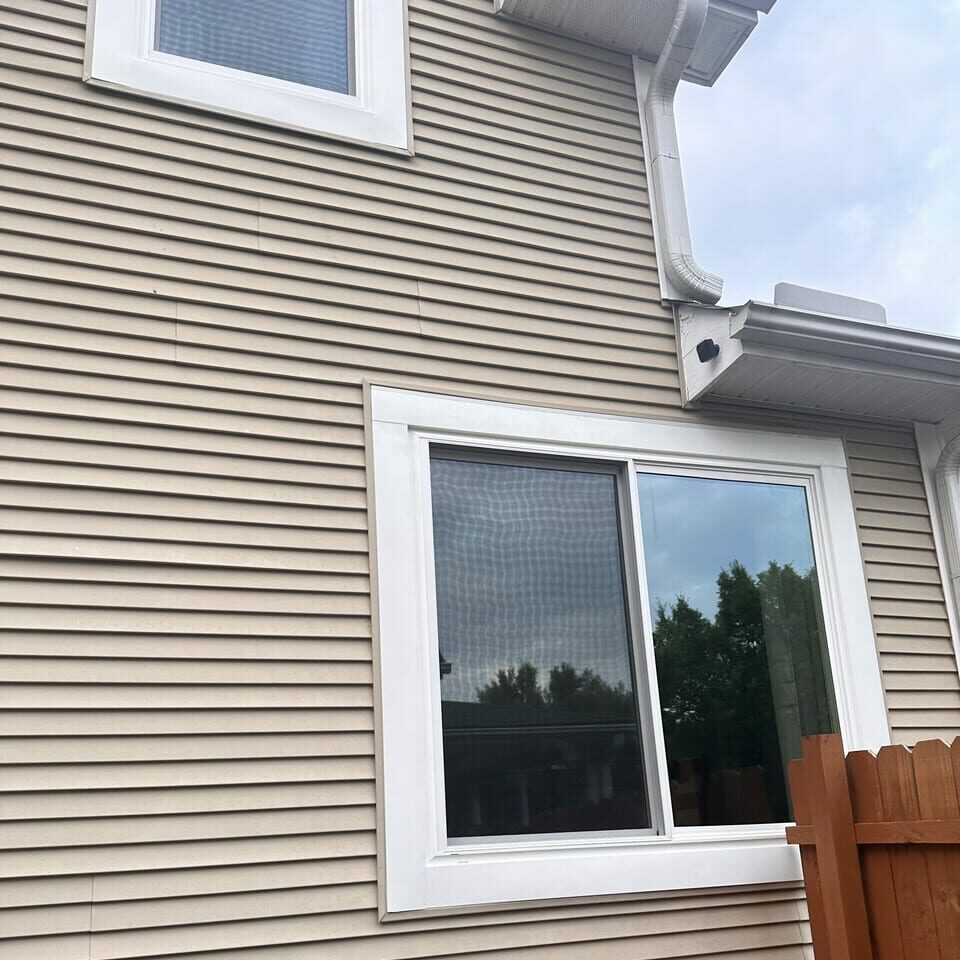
(808, 857)
(875, 861)
(937, 800)
(898, 794)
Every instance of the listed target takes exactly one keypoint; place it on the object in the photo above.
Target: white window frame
(423, 869)
(120, 54)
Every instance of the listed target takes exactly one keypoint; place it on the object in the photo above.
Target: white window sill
(506, 875)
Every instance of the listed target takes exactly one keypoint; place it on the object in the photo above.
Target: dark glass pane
(540, 729)
(302, 41)
(741, 653)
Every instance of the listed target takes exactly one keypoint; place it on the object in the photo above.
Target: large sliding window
(601, 642)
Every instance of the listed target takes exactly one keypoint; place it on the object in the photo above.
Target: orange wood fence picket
(879, 840)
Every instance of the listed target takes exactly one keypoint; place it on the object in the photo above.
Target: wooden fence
(880, 843)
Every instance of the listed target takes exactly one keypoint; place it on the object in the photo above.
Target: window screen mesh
(539, 714)
(301, 41)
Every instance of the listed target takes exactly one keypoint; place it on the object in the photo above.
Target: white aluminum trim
(423, 873)
(120, 56)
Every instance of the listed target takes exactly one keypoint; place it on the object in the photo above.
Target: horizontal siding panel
(898, 626)
(155, 720)
(892, 590)
(185, 472)
(175, 598)
(891, 643)
(198, 556)
(67, 947)
(914, 561)
(146, 856)
(224, 649)
(127, 749)
(160, 620)
(919, 682)
(223, 672)
(169, 828)
(183, 882)
(30, 892)
(920, 610)
(265, 536)
(118, 776)
(179, 697)
(88, 499)
(134, 803)
(311, 504)
(903, 574)
(235, 907)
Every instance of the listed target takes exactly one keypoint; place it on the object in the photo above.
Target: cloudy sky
(828, 154)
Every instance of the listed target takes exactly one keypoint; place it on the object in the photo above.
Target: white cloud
(829, 154)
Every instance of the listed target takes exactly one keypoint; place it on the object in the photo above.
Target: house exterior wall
(190, 306)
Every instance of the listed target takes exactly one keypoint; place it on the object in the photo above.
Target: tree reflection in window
(742, 673)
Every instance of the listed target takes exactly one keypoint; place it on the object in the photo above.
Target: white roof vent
(640, 27)
(829, 304)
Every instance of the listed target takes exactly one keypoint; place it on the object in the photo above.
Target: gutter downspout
(947, 477)
(689, 280)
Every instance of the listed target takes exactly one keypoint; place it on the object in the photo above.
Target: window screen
(742, 662)
(301, 41)
(540, 730)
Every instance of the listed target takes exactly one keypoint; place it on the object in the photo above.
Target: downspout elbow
(689, 280)
(686, 274)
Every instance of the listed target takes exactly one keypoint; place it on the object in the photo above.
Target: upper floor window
(335, 67)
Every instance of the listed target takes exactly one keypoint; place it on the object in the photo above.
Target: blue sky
(828, 154)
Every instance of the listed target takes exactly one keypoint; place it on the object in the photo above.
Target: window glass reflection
(540, 731)
(740, 644)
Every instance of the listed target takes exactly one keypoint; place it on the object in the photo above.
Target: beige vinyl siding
(190, 305)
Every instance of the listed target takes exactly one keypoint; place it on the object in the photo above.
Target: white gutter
(685, 279)
(802, 330)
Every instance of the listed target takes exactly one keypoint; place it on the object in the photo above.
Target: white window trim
(120, 55)
(425, 872)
